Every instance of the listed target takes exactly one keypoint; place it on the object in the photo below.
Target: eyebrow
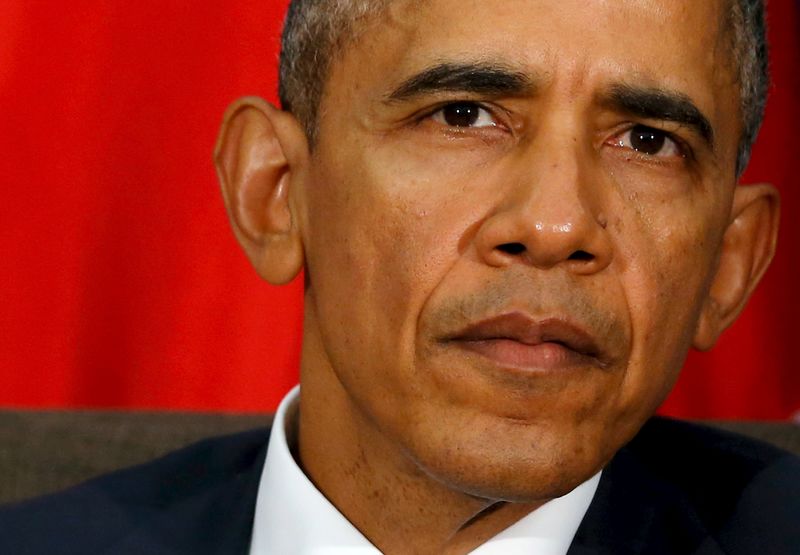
(660, 104)
(473, 77)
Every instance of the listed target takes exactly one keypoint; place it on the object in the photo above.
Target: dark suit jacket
(677, 488)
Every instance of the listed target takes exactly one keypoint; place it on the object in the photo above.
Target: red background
(120, 283)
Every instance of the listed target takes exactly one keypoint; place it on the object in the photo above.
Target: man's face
(510, 220)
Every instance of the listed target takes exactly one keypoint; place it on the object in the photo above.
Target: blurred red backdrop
(120, 284)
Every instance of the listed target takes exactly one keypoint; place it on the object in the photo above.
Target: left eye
(464, 114)
(649, 141)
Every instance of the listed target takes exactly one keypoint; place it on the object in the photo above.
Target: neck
(376, 485)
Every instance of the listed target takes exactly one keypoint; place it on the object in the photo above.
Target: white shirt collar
(293, 517)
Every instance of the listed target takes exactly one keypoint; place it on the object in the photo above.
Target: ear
(259, 153)
(747, 249)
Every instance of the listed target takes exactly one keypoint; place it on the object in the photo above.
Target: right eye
(464, 114)
(648, 141)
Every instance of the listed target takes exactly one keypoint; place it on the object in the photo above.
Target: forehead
(549, 27)
(581, 44)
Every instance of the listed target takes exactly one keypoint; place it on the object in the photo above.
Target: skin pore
(516, 220)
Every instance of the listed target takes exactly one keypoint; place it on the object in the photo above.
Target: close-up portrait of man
(513, 220)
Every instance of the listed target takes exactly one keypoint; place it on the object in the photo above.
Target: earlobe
(747, 249)
(259, 152)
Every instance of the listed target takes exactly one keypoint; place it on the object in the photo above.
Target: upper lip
(523, 328)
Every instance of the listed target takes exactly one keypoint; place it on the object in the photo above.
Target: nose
(551, 216)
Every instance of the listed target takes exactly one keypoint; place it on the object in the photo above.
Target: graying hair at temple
(316, 31)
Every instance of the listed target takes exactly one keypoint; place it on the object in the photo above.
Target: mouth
(516, 340)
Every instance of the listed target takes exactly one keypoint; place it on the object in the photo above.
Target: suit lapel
(636, 513)
(618, 521)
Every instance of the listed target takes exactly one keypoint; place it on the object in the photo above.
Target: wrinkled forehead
(432, 16)
(439, 25)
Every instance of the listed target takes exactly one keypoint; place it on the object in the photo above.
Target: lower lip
(541, 357)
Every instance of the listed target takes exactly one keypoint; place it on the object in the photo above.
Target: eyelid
(482, 114)
(682, 146)
(494, 111)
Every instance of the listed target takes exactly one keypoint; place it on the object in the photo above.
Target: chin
(516, 482)
(522, 465)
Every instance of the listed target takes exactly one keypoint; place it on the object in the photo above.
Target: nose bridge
(550, 213)
(552, 183)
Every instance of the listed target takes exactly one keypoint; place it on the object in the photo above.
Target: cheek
(667, 251)
(380, 238)
(389, 219)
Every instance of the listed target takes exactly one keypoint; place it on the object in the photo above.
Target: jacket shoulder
(713, 466)
(155, 503)
(743, 494)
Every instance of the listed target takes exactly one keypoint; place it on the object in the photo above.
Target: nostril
(512, 248)
(582, 256)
